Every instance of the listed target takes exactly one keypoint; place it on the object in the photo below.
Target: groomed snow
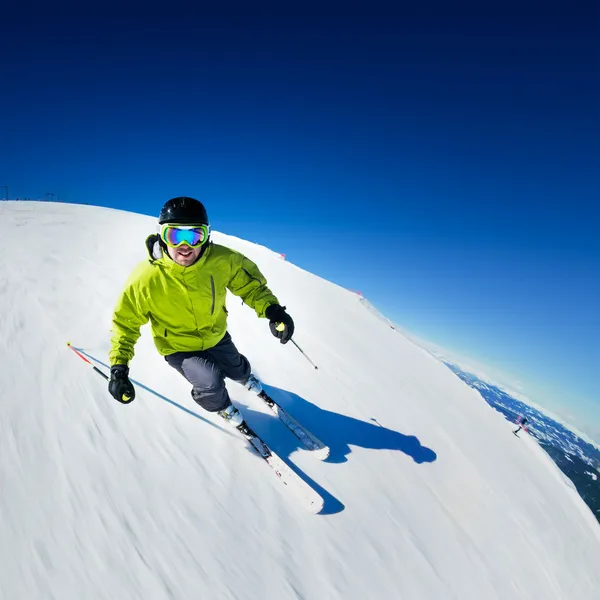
(428, 495)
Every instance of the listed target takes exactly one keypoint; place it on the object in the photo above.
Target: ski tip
(322, 453)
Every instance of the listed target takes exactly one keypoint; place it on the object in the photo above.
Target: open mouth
(184, 252)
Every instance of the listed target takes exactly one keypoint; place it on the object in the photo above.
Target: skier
(181, 290)
(521, 422)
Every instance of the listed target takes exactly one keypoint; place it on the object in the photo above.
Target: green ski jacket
(185, 305)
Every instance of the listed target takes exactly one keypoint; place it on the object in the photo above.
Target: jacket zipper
(212, 287)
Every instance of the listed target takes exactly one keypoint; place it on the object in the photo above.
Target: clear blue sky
(447, 166)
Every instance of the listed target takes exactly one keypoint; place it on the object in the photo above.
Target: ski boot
(232, 415)
(254, 385)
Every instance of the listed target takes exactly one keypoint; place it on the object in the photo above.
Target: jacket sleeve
(250, 285)
(129, 315)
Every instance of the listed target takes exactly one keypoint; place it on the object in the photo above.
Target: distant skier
(522, 422)
(181, 289)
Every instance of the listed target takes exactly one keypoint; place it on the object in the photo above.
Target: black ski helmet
(183, 211)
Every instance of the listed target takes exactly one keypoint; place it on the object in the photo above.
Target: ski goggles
(177, 235)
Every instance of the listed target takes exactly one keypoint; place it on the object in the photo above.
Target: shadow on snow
(338, 431)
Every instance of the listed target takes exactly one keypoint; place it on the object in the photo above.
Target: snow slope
(428, 495)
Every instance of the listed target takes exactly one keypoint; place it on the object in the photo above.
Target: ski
(311, 442)
(308, 497)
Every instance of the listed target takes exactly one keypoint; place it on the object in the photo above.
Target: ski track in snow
(436, 499)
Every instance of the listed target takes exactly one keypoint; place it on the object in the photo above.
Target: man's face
(184, 255)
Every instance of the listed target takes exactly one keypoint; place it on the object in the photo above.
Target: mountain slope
(428, 494)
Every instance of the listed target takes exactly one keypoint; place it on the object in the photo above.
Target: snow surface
(501, 381)
(428, 495)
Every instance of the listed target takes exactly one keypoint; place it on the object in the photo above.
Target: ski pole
(281, 327)
(87, 361)
(125, 398)
(305, 356)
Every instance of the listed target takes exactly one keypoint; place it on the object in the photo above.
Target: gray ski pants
(206, 371)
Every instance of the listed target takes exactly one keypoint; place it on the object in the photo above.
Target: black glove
(280, 323)
(119, 386)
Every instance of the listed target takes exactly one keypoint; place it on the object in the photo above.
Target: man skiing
(521, 423)
(181, 289)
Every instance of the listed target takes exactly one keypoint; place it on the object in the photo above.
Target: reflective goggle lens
(174, 235)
